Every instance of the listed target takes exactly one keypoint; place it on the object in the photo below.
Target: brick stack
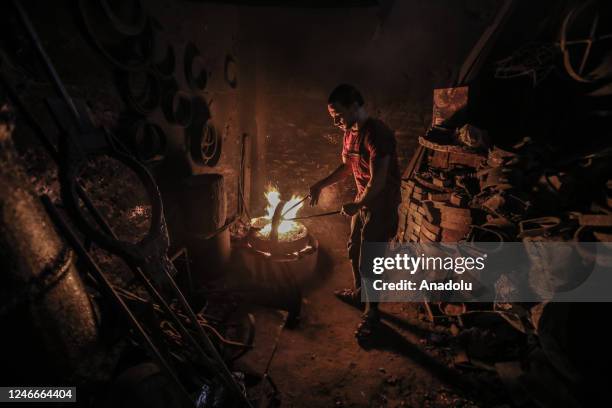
(435, 199)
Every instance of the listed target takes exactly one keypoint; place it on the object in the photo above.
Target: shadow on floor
(324, 269)
(386, 338)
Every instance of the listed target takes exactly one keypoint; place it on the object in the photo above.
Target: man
(369, 153)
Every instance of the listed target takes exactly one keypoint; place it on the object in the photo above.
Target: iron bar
(46, 60)
(106, 286)
(295, 205)
(313, 216)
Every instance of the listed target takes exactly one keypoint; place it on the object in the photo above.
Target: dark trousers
(369, 225)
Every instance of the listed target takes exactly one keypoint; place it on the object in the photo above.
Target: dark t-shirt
(374, 139)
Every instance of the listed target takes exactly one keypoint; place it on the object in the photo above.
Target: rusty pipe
(42, 297)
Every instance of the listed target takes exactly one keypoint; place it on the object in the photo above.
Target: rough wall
(394, 54)
(213, 29)
(90, 76)
(288, 59)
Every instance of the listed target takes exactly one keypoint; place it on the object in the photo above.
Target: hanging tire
(128, 17)
(148, 140)
(163, 59)
(203, 139)
(127, 52)
(194, 67)
(176, 105)
(140, 90)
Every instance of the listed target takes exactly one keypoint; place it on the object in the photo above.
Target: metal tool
(106, 286)
(313, 216)
(266, 374)
(295, 205)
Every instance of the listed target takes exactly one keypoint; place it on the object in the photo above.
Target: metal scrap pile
(464, 189)
(435, 200)
(460, 187)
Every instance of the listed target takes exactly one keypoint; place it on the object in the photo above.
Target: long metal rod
(68, 100)
(46, 141)
(240, 201)
(228, 223)
(313, 216)
(213, 358)
(295, 205)
(266, 373)
(63, 92)
(107, 287)
(137, 271)
(46, 60)
(221, 366)
(51, 149)
(166, 308)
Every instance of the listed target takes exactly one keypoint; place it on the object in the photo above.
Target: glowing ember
(287, 230)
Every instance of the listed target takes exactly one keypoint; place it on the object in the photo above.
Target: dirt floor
(320, 363)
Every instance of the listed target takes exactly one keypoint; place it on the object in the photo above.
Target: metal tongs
(305, 216)
(294, 205)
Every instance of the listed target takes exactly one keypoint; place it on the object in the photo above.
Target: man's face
(343, 117)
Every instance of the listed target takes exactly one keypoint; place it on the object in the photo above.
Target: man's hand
(315, 192)
(350, 209)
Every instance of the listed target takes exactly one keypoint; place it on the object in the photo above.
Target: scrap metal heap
(461, 187)
(77, 322)
(463, 191)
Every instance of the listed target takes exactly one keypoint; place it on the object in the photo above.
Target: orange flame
(286, 228)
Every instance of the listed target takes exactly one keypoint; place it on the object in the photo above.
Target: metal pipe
(41, 292)
(224, 371)
(99, 218)
(295, 205)
(106, 286)
(313, 216)
(46, 142)
(63, 92)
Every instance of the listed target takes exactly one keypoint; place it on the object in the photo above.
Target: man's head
(344, 105)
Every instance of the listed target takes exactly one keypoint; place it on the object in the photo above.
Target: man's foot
(351, 297)
(370, 322)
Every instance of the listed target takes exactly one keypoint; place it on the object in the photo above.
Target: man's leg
(354, 249)
(372, 231)
(353, 295)
(377, 226)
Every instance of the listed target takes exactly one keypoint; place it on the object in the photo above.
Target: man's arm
(340, 173)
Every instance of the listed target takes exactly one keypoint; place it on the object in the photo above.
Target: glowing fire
(286, 229)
